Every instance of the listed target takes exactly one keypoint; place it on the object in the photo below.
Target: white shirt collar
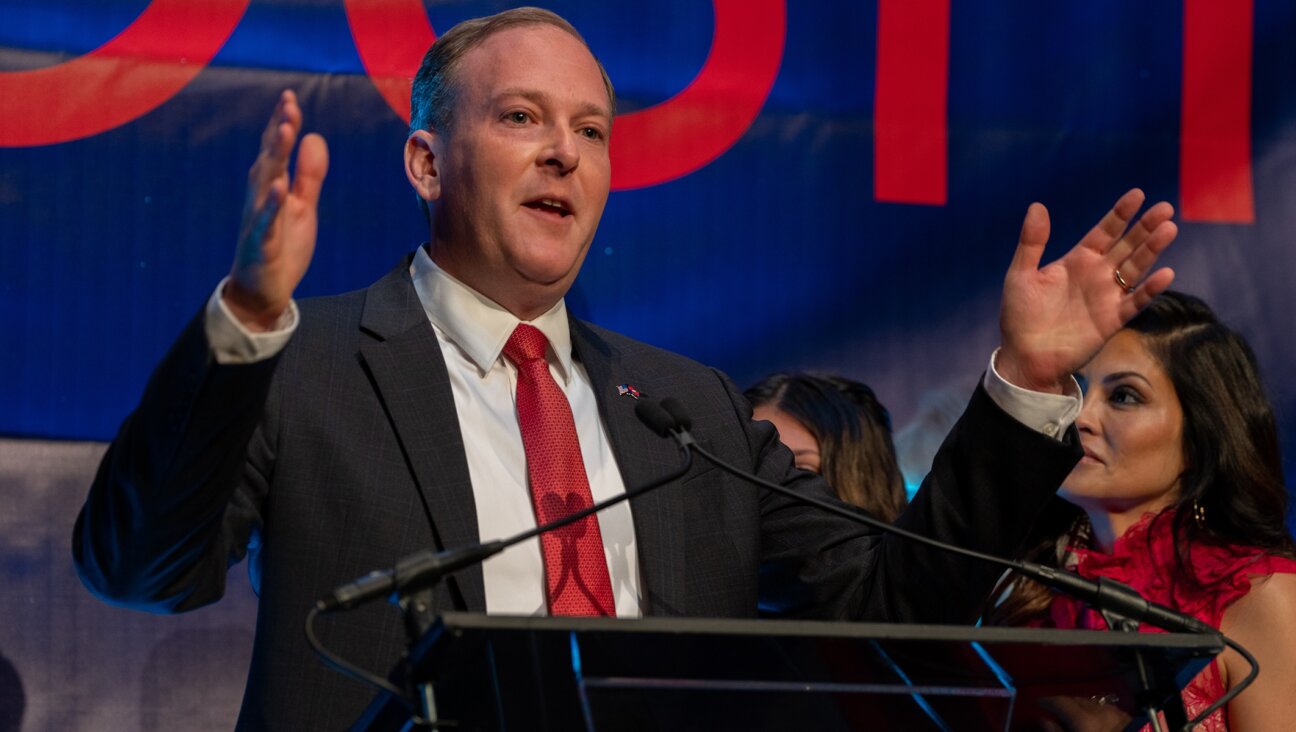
(479, 325)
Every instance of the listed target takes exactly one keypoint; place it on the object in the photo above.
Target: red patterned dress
(1143, 557)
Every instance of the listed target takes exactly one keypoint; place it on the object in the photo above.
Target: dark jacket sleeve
(175, 501)
(989, 481)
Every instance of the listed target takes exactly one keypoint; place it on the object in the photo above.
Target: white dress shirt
(471, 331)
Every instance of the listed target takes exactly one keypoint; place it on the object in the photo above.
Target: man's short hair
(435, 86)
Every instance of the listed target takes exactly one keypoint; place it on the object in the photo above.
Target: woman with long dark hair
(836, 427)
(1181, 495)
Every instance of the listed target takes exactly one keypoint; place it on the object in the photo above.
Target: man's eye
(519, 118)
(592, 133)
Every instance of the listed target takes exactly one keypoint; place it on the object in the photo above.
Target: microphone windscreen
(678, 414)
(651, 413)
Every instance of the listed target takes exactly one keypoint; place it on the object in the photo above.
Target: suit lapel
(642, 457)
(410, 376)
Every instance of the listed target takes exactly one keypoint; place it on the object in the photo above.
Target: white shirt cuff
(1049, 414)
(232, 343)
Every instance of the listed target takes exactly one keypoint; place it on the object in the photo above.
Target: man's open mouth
(550, 206)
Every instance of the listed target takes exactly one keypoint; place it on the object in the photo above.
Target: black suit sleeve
(989, 481)
(175, 501)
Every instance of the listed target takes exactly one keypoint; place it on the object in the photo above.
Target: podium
(530, 673)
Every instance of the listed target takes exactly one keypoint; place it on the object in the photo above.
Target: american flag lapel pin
(624, 389)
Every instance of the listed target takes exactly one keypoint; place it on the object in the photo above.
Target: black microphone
(416, 571)
(653, 414)
(1115, 597)
(427, 567)
(677, 413)
(667, 418)
(1105, 594)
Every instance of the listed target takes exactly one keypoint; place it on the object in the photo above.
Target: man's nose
(562, 152)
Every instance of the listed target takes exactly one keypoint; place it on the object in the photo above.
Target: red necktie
(576, 573)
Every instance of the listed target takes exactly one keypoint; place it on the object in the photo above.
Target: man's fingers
(276, 147)
(286, 111)
(312, 167)
(1148, 223)
(271, 165)
(1112, 225)
(1156, 283)
(272, 125)
(262, 218)
(1034, 235)
(1140, 261)
(1139, 233)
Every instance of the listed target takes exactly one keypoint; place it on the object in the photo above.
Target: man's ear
(421, 164)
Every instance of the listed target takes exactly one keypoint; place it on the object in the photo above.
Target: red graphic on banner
(910, 138)
(173, 40)
(1215, 128)
(651, 146)
(391, 37)
(134, 73)
(698, 125)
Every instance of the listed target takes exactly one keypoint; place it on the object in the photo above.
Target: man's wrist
(1045, 412)
(232, 342)
(250, 310)
(1010, 369)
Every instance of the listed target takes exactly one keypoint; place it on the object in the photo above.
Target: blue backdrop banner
(828, 185)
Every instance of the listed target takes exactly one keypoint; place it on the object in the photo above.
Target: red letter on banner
(391, 37)
(687, 131)
(910, 138)
(1215, 128)
(127, 77)
(651, 146)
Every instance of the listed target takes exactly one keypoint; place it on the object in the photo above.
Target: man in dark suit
(329, 441)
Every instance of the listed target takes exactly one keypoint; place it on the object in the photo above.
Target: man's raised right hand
(277, 236)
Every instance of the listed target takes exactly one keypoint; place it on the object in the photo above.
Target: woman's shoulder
(1229, 573)
(1271, 600)
(1218, 561)
(1264, 622)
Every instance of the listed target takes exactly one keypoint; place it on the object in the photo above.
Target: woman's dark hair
(1232, 489)
(853, 431)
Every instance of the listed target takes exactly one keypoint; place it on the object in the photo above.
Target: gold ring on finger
(1121, 281)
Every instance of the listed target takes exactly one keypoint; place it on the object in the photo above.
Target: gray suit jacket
(344, 453)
